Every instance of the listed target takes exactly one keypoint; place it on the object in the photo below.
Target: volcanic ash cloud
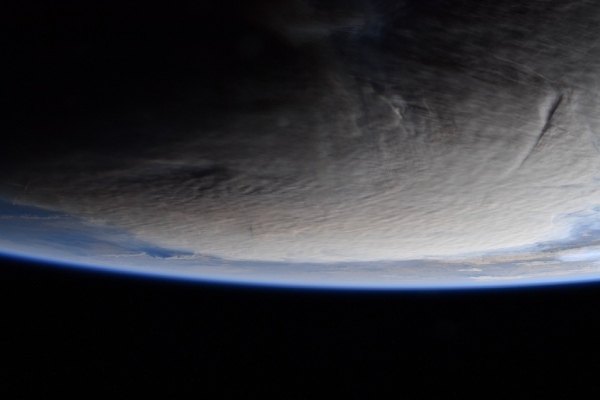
(329, 142)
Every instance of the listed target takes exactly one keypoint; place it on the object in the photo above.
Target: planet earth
(385, 144)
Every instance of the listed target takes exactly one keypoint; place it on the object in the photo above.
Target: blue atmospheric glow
(275, 282)
(33, 234)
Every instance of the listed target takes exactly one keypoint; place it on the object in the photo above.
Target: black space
(66, 329)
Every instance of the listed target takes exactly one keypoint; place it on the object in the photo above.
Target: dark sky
(68, 329)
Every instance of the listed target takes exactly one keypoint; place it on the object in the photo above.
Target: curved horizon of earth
(41, 235)
(313, 143)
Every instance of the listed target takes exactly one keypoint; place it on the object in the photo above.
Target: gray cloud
(462, 128)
